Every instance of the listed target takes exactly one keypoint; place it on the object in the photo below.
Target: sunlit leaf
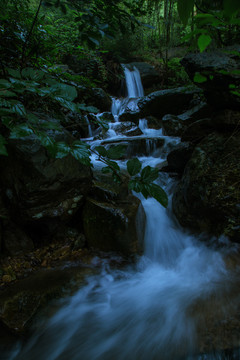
(198, 78)
(204, 41)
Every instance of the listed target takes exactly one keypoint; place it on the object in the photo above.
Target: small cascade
(134, 83)
(90, 134)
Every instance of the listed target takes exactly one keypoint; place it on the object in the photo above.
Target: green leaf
(184, 10)
(149, 174)
(14, 73)
(80, 151)
(113, 164)
(33, 74)
(5, 84)
(64, 91)
(7, 93)
(3, 150)
(101, 150)
(116, 152)
(204, 41)
(198, 78)
(47, 142)
(60, 150)
(66, 103)
(158, 193)
(91, 109)
(133, 166)
(20, 130)
(135, 184)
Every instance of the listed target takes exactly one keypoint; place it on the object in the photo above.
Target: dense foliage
(35, 35)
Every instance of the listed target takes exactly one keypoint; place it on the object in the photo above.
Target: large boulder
(162, 102)
(178, 158)
(114, 220)
(38, 188)
(96, 97)
(207, 198)
(218, 74)
(149, 75)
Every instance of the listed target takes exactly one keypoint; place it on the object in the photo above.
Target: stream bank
(166, 259)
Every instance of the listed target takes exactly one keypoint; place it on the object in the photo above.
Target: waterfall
(142, 312)
(133, 82)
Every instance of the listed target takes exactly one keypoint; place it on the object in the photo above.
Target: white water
(142, 312)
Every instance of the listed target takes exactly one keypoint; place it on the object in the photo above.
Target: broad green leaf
(5, 84)
(61, 149)
(7, 93)
(14, 73)
(149, 174)
(66, 103)
(20, 130)
(184, 10)
(135, 184)
(237, 93)
(203, 42)
(33, 74)
(3, 150)
(134, 166)
(101, 150)
(158, 193)
(64, 91)
(91, 109)
(80, 151)
(116, 152)
(47, 142)
(198, 78)
(113, 164)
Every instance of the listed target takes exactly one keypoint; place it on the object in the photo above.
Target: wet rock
(115, 226)
(178, 158)
(153, 122)
(96, 97)
(20, 303)
(149, 75)
(207, 198)
(126, 128)
(137, 145)
(130, 116)
(198, 130)
(172, 125)
(163, 102)
(227, 120)
(76, 124)
(39, 188)
(220, 68)
(197, 112)
(106, 116)
(15, 240)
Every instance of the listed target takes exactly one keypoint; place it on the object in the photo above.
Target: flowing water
(144, 311)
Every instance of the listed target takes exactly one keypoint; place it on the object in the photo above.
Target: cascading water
(143, 312)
